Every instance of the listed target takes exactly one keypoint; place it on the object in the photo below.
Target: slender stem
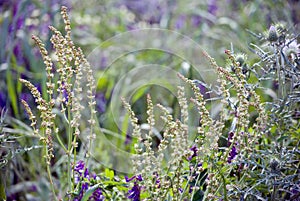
(197, 180)
(74, 152)
(50, 175)
(186, 185)
(283, 87)
(224, 183)
(61, 143)
(70, 186)
(280, 85)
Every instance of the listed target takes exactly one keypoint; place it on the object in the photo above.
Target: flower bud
(273, 36)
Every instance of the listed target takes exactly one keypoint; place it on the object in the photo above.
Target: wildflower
(194, 149)
(230, 137)
(148, 11)
(180, 22)
(196, 20)
(86, 182)
(101, 102)
(3, 100)
(97, 195)
(232, 154)
(157, 180)
(79, 168)
(128, 138)
(203, 88)
(138, 177)
(212, 7)
(135, 192)
(84, 187)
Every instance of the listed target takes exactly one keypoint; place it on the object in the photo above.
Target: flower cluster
(135, 192)
(233, 151)
(84, 181)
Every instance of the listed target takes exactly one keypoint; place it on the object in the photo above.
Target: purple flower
(128, 138)
(196, 20)
(157, 179)
(195, 150)
(212, 7)
(127, 179)
(230, 137)
(135, 192)
(149, 11)
(85, 182)
(232, 154)
(101, 102)
(233, 151)
(103, 62)
(138, 177)
(65, 93)
(97, 195)
(84, 187)
(79, 167)
(203, 88)
(180, 22)
(2, 100)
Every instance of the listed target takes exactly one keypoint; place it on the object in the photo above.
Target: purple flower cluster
(83, 178)
(3, 99)
(194, 149)
(135, 192)
(156, 11)
(101, 102)
(148, 11)
(233, 152)
(157, 180)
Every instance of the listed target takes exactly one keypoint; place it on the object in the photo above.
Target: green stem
(61, 143)
(50, 175)
(74, 160)
(70, 186)
(197, 180)
(224, 183)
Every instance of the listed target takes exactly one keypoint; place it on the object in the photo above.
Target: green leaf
(109, 173)
(89, 192)
(11, 88)
(204, 165)
(138, 94)
(102, 83)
